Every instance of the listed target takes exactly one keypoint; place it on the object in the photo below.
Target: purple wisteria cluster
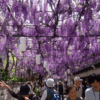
(65, 32)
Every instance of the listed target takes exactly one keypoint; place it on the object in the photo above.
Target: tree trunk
(7, 65)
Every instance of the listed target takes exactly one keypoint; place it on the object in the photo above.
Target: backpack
(55, 96)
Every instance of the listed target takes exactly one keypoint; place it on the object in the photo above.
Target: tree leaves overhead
(65, 33)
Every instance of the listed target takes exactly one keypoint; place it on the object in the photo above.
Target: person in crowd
(56, 86)
(65, 85)
(47, 94)
(93, 93)
(72, 93)
(36, 95)
(30, 84)
(60, 89)
(23, 94)
(42, 88)
(84, 87)
(78, 87)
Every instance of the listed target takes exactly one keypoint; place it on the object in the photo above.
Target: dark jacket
(61, 89)
(83, 92)
(19, 97)
(56, 86)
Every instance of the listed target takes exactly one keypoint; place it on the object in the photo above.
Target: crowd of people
(50, 90)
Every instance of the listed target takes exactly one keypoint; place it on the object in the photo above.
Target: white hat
(77, 79)
(50, 82)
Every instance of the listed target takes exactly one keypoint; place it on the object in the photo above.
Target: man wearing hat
(77, 83)
(47, 95)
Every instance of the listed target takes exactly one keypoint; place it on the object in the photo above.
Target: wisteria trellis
(65, 32)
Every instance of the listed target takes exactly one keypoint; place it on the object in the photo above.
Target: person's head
(84, 84)
(94, 81)
(42, 84)
(77, 81)
(50, 82)
(71, 92)
(30, 84)
(60, 83)
(24, 91)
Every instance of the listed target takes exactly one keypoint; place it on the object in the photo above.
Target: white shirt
(44, 96)
(42, 89)
(90, 95)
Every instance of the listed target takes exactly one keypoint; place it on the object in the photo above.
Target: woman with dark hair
(72, 93)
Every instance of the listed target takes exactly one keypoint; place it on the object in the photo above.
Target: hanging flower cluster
(65, 33)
